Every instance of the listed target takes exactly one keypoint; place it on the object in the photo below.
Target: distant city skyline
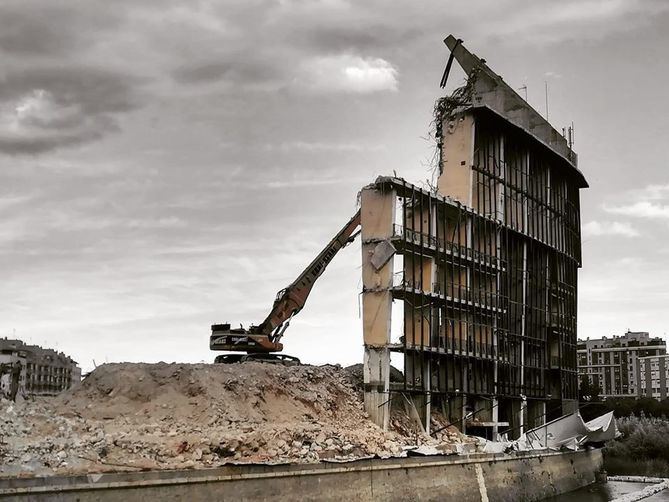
(165, 167)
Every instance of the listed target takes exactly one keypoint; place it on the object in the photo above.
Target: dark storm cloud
(242, 70)
(371, 36)
(94, 90)
(37, 144)
(54, 91)
(56, 106)
(34, 33)
(33, 28)
(287, 41)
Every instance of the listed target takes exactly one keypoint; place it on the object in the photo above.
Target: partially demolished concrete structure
(484, 266)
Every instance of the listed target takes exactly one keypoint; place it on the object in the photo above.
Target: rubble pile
(151, 416)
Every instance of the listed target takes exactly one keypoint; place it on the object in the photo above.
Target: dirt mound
(356, 371)
(249, 392)
(142, 416)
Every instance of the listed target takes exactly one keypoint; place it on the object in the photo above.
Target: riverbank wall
(482, 477)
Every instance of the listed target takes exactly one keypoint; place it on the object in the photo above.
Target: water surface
(608, 491)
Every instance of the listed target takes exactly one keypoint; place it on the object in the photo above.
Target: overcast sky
(167, 165)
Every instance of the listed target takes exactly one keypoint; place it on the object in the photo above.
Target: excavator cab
(223, 337)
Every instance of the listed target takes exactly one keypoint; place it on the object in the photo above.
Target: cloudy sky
(166, 165)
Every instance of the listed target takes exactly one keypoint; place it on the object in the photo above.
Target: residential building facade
(44, 372)
(615, 363)
(653, 376)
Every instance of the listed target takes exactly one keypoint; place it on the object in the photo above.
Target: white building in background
(615, 364)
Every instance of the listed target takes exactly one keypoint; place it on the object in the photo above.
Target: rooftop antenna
(571, 135)
(524, 88)
(546, 88)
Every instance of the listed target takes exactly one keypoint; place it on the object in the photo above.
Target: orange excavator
(261, 341)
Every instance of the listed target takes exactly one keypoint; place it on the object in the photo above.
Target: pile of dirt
(151, 416)
(356, 372)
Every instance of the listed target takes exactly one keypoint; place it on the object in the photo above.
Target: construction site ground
(128, 416)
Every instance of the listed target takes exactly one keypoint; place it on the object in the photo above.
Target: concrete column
(495, 418)
(456, 411)
(523, 415)
(536, 413)
(523, 330)
(516, 417)
(423, 402)
(376, 378)
(427, 409)
(377, 217)
(457, 157)
(423, 407)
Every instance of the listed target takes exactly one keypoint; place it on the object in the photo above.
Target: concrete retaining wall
(473, 478)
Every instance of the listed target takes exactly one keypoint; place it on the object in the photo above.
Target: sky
(169, 165)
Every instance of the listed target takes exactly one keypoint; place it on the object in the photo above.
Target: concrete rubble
(164, 416)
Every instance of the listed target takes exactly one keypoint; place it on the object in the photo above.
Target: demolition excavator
(261, 342)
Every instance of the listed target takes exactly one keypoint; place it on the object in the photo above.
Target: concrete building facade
(615, 363)
(44, 372)
(483, 267)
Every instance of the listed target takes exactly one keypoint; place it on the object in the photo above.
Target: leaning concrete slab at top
(492, 92)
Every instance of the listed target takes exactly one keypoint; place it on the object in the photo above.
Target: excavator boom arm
(264, 338)
(290, 300)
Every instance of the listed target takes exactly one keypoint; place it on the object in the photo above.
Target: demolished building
(484, 266)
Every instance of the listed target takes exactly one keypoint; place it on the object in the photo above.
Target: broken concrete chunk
(383, 252)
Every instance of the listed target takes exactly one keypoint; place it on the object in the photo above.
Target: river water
(608, 491)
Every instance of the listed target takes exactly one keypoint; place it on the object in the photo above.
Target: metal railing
(451, 291)
(468, 294)
(457, 250)
(454, 344)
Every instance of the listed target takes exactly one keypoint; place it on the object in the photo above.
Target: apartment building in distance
(653, 376)
(616, 364)
(44, 372)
